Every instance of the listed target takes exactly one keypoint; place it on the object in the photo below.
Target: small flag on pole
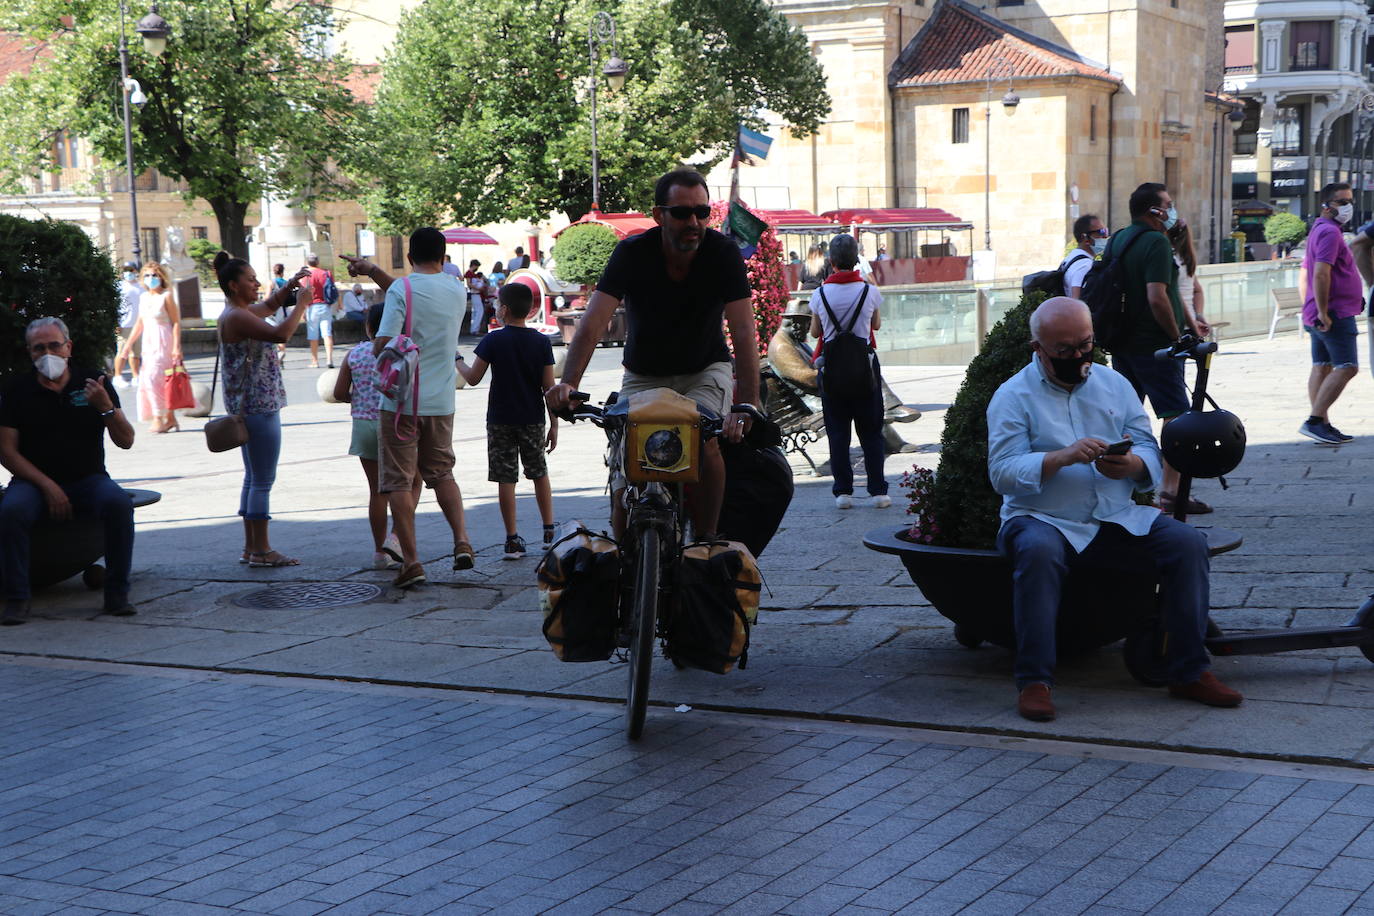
(744, 228)
(753, 144)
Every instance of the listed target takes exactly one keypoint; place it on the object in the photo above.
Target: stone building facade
(1302, 68)
(899, 70)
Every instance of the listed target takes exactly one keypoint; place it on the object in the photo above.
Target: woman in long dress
(159, 326)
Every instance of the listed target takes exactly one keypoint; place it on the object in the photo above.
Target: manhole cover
(308, 595)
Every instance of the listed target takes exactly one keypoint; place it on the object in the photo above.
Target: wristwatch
(107, 413)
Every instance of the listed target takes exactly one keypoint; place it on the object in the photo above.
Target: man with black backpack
(1153, 316)
(844, 312)
(1091, 236)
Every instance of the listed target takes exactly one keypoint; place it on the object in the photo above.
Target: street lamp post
(154, 30)
(1000, 67)
(600, 32)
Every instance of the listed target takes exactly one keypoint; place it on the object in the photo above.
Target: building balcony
(1294, 82)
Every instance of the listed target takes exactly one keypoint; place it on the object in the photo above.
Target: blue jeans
(865, 414)
(1042, 558)
(259, 463)
(1336, 347)
(96, 497)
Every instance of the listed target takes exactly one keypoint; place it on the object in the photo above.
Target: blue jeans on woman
(260, 455)
(865, 414)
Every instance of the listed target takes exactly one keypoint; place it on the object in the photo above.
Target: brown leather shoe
(1207, 689)
(1034, 703)
(413, 574)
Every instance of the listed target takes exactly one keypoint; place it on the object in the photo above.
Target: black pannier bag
(758, 490)
(579, 593)
(715, 602)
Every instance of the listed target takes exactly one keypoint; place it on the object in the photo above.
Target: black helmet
(1204, 443)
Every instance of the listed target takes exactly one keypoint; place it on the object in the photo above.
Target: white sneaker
(122, 383)
(392, 547)
(882, 502)
(844, 501)
(382, 561)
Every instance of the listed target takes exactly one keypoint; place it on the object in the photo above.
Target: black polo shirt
(674, 328)
(59, 433)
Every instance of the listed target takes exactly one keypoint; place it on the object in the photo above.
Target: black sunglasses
(700, 211)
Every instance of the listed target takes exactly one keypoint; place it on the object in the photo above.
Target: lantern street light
(1000, 67)
(601, 32)
(155, 32)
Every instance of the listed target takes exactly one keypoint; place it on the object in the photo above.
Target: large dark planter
(60, 550)
(972, 588)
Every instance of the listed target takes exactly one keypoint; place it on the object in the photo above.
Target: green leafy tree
(202, 252)
(243, 102)
(1284, 229)
(581, 252)
(53, 269)
(486, 124)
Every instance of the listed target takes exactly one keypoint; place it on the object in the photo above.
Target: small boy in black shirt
(521, 360)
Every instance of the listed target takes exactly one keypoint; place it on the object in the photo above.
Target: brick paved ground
(135, 790)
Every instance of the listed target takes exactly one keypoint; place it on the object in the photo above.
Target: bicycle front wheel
(643, 617)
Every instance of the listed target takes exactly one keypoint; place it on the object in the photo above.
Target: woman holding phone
(253, 388)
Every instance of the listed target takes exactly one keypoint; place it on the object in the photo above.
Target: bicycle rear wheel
(643, 616)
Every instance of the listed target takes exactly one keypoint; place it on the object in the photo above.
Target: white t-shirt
(842, 298)
(1077, 270)
(1185, 283)
(435, 309)
(129, 294)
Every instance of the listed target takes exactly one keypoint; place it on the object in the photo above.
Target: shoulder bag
(227, 432)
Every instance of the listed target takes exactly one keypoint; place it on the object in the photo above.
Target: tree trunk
(230, 215)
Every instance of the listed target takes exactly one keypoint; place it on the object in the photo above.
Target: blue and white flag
(753, 144)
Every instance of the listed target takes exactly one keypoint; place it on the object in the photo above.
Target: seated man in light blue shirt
(1065, 501)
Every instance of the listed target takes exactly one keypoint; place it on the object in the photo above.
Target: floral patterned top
(367, 399)
(252, 378)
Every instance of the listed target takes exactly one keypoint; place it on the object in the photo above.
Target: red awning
(896, 218)
(794, 220)
(464, 236)
(623, 225)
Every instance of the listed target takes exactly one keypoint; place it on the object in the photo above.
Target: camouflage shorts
(509, 446)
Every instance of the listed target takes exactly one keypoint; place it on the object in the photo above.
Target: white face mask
(1100, 246)
(1344, 213)
(50, 366)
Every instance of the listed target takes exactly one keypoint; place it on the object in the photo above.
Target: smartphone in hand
(1120, 447)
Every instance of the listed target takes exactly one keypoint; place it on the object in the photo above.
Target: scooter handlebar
(1186, 347)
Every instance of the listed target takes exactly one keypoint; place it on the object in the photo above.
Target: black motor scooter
(1144, 651)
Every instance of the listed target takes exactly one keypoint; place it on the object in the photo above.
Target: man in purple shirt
(1332, 297)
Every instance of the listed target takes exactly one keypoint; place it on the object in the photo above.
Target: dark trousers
(96, 497)
(865, 414)
(1042, 558)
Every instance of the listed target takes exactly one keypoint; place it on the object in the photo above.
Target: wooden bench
(800, 425)
(1287, 304)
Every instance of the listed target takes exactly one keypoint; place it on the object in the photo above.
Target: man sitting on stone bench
(1066, 500)
(52, 438)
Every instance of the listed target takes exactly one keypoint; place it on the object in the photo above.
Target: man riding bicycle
(676, 282)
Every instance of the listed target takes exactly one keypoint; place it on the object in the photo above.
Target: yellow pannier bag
(579, 593)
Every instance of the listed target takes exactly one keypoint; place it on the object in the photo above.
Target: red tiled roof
(19, 53)
(362, 82)
(961, 44)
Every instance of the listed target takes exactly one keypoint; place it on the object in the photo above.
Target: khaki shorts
(136, 350)
(713, 387)
(424, 445)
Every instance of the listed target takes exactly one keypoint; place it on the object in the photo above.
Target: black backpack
(1104, 290)
(1051, 282)
(847, 368)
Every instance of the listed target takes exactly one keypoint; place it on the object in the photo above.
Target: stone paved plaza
(129, 791)
(424, 752)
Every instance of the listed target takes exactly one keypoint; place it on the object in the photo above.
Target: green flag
(744, 227)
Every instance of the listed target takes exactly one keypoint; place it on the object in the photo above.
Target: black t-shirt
(517, 357)
(59, 433)
(674, 328)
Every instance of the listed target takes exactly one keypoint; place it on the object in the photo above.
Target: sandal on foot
(270, 560)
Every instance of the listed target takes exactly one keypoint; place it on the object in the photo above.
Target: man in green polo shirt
(1155, 316)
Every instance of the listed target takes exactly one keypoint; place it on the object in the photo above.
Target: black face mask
(1071, 371)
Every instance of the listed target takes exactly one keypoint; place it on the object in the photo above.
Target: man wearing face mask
(1091, 236)
(1155, 317)
(1332, 297)
(129, 293)
(1067, 502)
(52, 438)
